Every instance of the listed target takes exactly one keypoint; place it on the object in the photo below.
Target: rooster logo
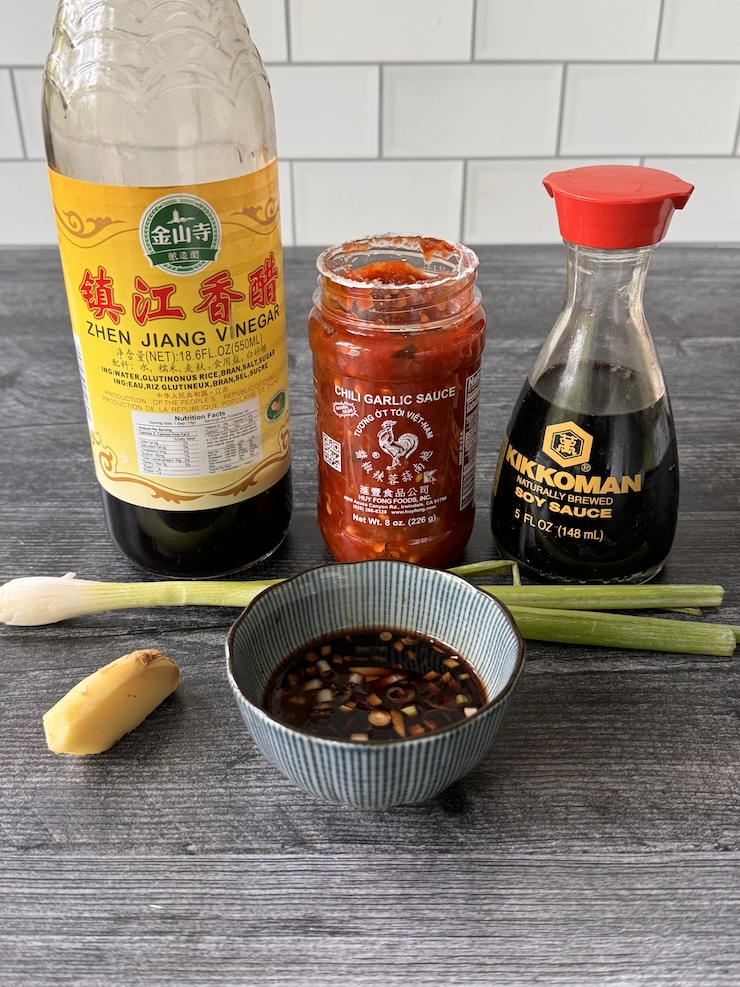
(397, 448)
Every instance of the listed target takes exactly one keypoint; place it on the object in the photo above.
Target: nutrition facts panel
(469, 439)
(198, 444)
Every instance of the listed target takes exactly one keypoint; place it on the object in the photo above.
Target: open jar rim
(442, 261)
(412, 282)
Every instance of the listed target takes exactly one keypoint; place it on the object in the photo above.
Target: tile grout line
(288, 35)
(481, 159)
(18, 120)
(463, 198)
(491, 63)
(561, 110)
(381, 112)
(659, 32)
(465, 162)
(291, 186)
(289, 163)
(736, 139)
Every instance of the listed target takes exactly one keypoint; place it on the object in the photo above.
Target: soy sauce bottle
(160, 140)
(586, 487)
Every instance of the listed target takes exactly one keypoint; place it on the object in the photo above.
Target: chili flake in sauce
(374, 685)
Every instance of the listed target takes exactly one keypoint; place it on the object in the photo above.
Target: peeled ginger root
(110, 703)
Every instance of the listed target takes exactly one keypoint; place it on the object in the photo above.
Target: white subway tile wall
(28, 85)
(339, 200)
(470, 111)
(379, 30)
(11, 145)
(650, 109)
(694, 31)
(567, 30)
(506, 203)
(349, 95)
(443, 118)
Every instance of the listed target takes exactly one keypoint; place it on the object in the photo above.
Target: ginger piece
(110, 703)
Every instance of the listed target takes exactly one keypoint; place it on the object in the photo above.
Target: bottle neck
(600, 357)
(608, 283)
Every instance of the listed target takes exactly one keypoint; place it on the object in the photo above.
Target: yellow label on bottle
(176, 298)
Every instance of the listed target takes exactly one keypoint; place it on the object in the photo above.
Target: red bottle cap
(615, 207)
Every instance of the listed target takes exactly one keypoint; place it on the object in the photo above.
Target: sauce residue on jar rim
(429, 261)
(389, 272)
(397, 281)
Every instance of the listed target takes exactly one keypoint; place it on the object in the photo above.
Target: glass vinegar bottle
(161, 146)
(586, 488)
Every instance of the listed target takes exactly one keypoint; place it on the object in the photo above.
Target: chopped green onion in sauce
(374, 685)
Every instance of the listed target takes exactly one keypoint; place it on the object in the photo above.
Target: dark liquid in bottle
(586, 522)
(198, 544)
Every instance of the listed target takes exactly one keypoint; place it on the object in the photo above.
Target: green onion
(563, 614)
(613, 597)
(35, 600)
(646, 596)
(624, 631)
(497, 567)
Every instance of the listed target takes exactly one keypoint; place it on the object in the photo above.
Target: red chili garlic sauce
(388, 272)
(374, 685)
(397, 331)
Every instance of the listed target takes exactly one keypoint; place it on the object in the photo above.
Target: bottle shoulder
(156, 93)
(602, 366)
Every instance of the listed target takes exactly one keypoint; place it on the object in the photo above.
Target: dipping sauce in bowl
(374, 685)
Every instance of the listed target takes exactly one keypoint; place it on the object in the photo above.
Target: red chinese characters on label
(154, 303)
(218, 294)
(97, 291)
(263, 284)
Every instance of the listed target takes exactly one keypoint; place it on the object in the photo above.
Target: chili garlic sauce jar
(397, 331)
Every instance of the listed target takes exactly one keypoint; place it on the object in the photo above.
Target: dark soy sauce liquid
(374, 685)
(633, 543)
(198, 544)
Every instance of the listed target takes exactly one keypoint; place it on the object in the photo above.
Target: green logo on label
(180, 234)
(276, 406)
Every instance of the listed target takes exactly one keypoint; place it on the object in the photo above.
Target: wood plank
(510, 920)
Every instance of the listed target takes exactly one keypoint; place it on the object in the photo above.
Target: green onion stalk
(567, 614)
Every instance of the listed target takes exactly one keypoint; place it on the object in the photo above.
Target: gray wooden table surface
(598, 844)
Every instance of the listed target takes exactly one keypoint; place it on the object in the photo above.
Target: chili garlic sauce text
(374, 685)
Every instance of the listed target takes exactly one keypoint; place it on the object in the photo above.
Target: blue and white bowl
(360, 595)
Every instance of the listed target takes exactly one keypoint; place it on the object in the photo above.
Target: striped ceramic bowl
(361, 595)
